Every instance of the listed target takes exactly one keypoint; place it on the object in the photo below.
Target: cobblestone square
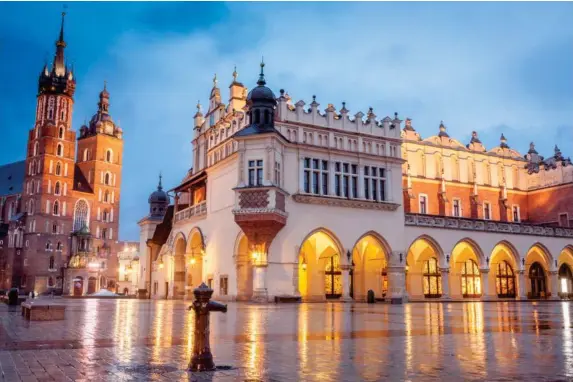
(140, 340)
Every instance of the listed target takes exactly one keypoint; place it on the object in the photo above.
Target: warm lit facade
(62, 219)
(128, 268)
(288, 200)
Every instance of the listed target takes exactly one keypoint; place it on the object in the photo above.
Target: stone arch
(195, 252)
(481, 259)
(319, 266)
(370, 258)
(423, 281)
(179, 246)
(510, 250)
(467, 263)
(504, 265)
(538, 262)
(244, 265)
(543, 252)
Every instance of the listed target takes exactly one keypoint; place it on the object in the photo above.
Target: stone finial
(443, 132)
(557, 152)
(330, 108)
(344, 110)
(503, 142)
(215, 80)
(371, 114)
(235, 74)
(314, 103)
(408, 125)
(532, 148)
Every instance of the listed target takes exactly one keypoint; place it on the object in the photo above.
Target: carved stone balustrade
(199, 209)
(449, 222)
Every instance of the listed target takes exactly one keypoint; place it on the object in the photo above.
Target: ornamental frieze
(481, 225)
(336, 202)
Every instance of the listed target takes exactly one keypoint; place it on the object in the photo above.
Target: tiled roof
(12, 178)
(80, 182)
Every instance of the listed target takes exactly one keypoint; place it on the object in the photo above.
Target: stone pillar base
(345, 299)
(396, 300)
(260, 296)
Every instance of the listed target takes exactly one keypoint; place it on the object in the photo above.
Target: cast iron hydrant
(202, 359)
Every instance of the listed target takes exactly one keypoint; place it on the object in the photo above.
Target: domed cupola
(261, 102)
(102, 122)
(158, 201)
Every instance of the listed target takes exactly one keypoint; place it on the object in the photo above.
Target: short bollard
(202, 359)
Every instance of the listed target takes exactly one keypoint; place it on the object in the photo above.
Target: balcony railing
(189, 212)
(449, 222)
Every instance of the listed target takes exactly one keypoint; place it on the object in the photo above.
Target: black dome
(158, 196)
(261, 93)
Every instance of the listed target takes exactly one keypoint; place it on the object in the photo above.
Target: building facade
(287, 200)
(62, 218)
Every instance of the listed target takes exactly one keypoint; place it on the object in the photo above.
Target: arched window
(107, 179)
(109, 156)
(86, 155)
(59, 246)
(56, 208)
(61, 132)
(333, 278)
(257, 116)
(537, 279)
(80, 215)
(58, 168)
(36, 148)
(60, 150)
(565, 281)
(57, 188)
(51, 104)
(432, 279)
(104, 233)
(106, 196)
(55, 228)
(48, 245)
(52, 263)
(105, 215)
(505, 280)
(267, 116)
(31, 207)
(471, 281)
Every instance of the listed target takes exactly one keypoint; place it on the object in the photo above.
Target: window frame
(459, 208)
(425, 204)
(488, 204)
(255, 172)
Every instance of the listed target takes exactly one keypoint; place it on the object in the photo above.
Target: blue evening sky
(489, 67)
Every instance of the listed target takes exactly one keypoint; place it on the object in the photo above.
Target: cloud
(472, 65)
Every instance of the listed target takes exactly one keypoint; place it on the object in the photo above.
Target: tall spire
(159, 186)
(235, 74)
(59, 65)
(261, 81)
(103, 104)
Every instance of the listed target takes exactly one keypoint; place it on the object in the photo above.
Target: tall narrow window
(52, 263)
(255, 170)
(505, 280)
(486, 210)
(106, 196)
(57, 188)
(61, 131)
(58, 168)
(516, 217)
(56, 207)
(423, 204)
(277, 173)
(108, 156)
(457, 208)
(316, 176)
(36, 148)
(107, 179)
(346, 180)
(60, 150)
(80, 215)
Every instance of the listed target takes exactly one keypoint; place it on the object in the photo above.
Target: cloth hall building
(59, 208)
(291, 200)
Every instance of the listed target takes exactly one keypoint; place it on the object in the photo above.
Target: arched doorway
(320, 274)
(471, 279)
(505, 280)
(92, 285)
(244, 266)
(179, 268)
(423, 271)
(125, 291)
(195, 253)
(78, 286)
(538, 282)
(504, 260)
(370, 268)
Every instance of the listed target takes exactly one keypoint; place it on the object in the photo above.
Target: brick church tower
(64, 239)
(48, 183)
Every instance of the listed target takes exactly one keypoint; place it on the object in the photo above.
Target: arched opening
(52, 263)
(107, 179)
(423, 273)
(195, 253)
(102, 282)
(257, 116)
(538, 282)
(78, 286)
(320, 273)
(267, 117)
(126, 291)
(60, 150)
(36, 148)
(537, 265)
(464, 269)
(244, 266)
(503, 263)
(61, 133)
(369, 272)
(81, 215)
(565, 273)
(57, 188)
(58, 168)
(108, 156)
(56, 208)
(179, 268)
(92, 285)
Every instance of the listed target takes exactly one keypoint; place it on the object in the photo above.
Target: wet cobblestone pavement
(136, 340)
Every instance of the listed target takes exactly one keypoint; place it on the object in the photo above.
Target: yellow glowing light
(255, 255)
(192, 261)
(304, 266)
(161, 265)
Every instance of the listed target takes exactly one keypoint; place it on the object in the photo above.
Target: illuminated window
(505, 280)
(537, 279)
(471, 279)
(333, 277)
(566, 280)
(432, 279)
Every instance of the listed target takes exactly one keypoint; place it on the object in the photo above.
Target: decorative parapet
(341, 202)
(199, 209)
(256, 200)
(434, 221)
